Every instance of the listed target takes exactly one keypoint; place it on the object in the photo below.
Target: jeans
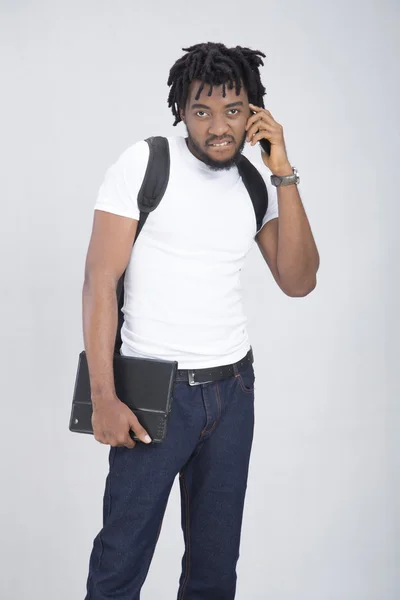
(208, 444)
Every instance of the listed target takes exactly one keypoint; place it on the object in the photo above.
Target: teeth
(223, 144)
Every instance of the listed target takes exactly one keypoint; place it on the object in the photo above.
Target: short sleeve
(119, 191)
(272, 210)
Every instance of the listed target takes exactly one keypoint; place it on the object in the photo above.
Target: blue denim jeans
(208, 444)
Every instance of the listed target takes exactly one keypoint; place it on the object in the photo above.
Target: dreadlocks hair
(216, 65)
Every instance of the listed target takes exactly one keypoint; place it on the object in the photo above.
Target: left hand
(262, 125)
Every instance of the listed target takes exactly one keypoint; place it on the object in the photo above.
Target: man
(183, 303)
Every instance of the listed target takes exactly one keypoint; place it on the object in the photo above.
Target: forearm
(295, 260)
(100, 319)
(297, 257)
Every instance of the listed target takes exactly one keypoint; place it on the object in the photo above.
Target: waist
(191, 347)
(199, 376)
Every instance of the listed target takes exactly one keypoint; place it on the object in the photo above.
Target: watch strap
(278, 180)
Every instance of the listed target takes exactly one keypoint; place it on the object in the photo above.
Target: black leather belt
(198, 376)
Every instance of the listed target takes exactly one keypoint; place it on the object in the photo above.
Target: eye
(200, 111)
(237, 111)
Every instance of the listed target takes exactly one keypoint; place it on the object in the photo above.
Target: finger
(256, 108)
(257, 130)
(260, 114)
(261, 125)
(262, 118)
(102, 438)
(140, 432)
(124, 441)
(130, 443)
(259, 109)
(253, 119)
(262, 135)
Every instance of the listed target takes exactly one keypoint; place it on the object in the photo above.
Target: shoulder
(129, 168)
(135, 154)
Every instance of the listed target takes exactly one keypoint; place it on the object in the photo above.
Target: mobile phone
(266, 146)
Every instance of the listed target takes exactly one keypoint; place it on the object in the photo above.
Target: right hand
(112, 422)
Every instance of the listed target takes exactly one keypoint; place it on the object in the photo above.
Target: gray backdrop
(81, 81)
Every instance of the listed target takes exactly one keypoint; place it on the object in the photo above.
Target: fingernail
(147, 439)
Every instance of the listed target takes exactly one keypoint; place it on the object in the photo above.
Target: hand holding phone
(265, 144)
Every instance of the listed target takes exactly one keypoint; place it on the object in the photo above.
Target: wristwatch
(276, 180)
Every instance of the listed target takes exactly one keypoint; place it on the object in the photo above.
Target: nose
(218, 127)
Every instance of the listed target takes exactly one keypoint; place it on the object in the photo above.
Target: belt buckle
(192, 381)
(191, 378)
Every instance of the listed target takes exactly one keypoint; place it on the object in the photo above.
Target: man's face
(214, 119)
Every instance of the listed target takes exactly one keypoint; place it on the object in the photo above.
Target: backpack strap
(155, 179)
(256, 187)
(152, 190)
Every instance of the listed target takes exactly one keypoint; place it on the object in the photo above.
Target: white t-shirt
(183, 296)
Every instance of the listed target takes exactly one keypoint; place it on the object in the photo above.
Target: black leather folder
(145, 385)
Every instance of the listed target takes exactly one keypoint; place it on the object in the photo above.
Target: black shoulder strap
(256, 188)
(155, 180)
(150, 195)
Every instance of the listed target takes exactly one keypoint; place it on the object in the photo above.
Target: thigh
(214, 481)
(140, 477)
(224, 453)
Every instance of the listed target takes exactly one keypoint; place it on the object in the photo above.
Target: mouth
(221, 145)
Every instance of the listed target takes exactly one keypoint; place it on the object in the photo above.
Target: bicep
(110, 245)
(267, 240)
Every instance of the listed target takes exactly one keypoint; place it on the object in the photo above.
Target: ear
(182, 114)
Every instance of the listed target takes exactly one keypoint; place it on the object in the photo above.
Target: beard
(215, 165)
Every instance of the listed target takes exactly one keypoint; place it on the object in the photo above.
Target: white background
(81, 81)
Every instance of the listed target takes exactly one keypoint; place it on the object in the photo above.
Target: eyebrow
(231, 105)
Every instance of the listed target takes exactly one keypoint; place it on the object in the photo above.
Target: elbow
(299, 291)
(298, 284)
